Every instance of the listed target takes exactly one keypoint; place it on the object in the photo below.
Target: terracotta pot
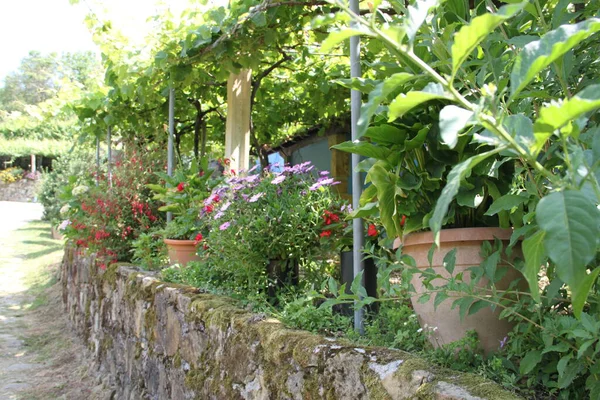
(489, 327)
(181, 251)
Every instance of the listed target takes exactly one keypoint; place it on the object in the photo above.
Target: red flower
(205, 246)
(198, 239)
(216, 199)
(201, 173)
(208, 209)
(232, 171)
(226, 161)
(180, 187)
(325, 233)
(403, 220)
(372, 231)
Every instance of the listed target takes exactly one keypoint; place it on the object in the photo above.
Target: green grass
(41, 255)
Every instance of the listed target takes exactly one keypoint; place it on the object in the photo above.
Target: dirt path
(39, 357)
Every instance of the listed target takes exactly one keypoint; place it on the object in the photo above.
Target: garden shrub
(107, 218)
(64, 167)
(11, 175)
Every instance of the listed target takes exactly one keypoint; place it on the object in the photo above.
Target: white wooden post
(237, 127)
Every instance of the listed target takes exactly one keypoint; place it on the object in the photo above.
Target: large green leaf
(386, 134)
(337, 37)
(452, 120)
(416, 16)
(529, 362)
(386, 194)
(571, 223)
(406, 102)
(556, 116)
(506, 202)
(580, 289)
(378, 95)
(534, 253)
(469, 36)
(537, 55)
(364, 149)
(455, 176)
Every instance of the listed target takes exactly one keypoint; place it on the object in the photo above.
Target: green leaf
(379, 94)
(452, 120)
(571, 223)
(337, 37)
(364, 149)
(469, 36)
(455, 176)
(556, 116)
(450, 261)
(489, 265)
(534, 254)
(424, 298)
(368, 194)
(529, 362)
(580, 290)
(506, 202)
(537, 55)
(386, 193)
(406, 102)
(333, 286)
(439, 298)
(416, 16)
(386, 134)
(584, 346)
(464, 306)
(357, 284)
(569, 372)
(478, 305)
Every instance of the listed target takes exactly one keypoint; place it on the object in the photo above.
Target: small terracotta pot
(489, 327)
(181, 251)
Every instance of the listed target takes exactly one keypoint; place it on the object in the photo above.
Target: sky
(57, 26)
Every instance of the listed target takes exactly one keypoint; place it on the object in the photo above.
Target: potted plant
(550, 192)
(185, 195)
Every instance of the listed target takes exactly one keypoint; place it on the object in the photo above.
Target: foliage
(149, 250)
(273, 217)
(303, 314)
(11, 175)
(25, 147)
(107, 218)
(63, 168)
(183, 194)
(34, 99)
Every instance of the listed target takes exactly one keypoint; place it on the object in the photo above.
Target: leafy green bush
(65, 168)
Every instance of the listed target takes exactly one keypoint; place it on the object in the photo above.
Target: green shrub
(11, 175)
(66, 167)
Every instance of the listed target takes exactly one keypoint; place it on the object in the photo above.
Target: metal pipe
(357, 223)
(109, 142)
(97, 161)
(170, 144)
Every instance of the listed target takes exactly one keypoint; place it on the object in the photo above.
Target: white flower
(63, 225)
(65, 209)
(79, 190)
(419, 330)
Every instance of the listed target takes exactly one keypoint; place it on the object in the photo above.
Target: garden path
(39, 358)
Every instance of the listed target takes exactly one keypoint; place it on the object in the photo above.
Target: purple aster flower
(255, 197)
(218, 215)
(324, 173)
(224, 225)
(278, 179)
(225, 206)
(245, 196)
(503, 342)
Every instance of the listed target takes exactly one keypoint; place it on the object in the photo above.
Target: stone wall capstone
(165, 341)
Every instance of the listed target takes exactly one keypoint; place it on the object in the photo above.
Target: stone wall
(166, 341)
(23, 190)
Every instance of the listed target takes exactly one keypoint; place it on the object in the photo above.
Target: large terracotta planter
(181, 251)
(489, 327)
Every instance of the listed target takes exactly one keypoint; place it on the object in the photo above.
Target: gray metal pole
(357, 223)
(170, 145)
(97, 161)
(109, 143)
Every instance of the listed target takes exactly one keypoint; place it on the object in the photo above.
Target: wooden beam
(340, 164)
(237, 127)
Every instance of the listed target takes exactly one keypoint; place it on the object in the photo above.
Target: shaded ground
(39, 356)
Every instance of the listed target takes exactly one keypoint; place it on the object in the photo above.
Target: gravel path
(39, 357)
